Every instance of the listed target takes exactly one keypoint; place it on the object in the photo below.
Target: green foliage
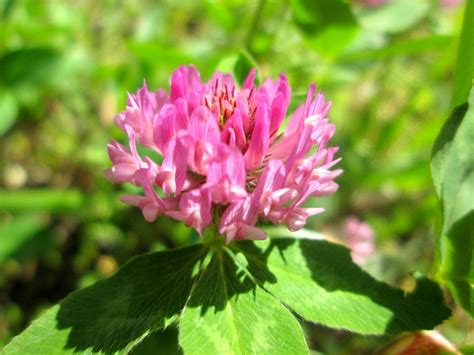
(463, 78)
(396, 16)
(328, 25)
(16, 235)
(162, 342)
(9, 110)
(112, 315)
(41, 200)
(452, 169)
(239, 66)
(228, 299)
(453, 174)
(318, 281)
(65, 72)
(229, 314)
(27, 66)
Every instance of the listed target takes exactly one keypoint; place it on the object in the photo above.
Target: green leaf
(457, 183)
(441, 147)
(319, 281)
(452, 168)
(28, 66)
(229, 314)
(243, 66)
(328, 25)
(162, 342)
(395, 16)
(16, 235)
(113, 315)
(239, 65)
(9, 110)
(463, 78)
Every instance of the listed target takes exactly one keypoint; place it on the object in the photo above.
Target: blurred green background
(66, 68)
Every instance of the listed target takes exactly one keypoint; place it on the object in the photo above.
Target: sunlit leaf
(229, 314)
(319, 281)
(453, 175)
(452, 169)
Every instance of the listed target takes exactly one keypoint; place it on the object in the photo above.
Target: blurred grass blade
(43, 200)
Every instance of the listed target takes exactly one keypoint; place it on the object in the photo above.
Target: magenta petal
(124, 165)
(194, 210)
(150, 212)
(182, 116)
(165, 127)
(140, 113)
(226, 176)
(238, 221)
(203, 126)
(273, 178)
(234, 130)
(172, 174)
(183, 81)
(223, 156)
(260, 137)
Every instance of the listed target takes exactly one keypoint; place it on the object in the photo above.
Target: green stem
(211, 236)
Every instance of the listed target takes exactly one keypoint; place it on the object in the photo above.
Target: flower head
(225, 158)
(360, 238)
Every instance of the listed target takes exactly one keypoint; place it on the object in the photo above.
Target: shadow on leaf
(220, 282)
(144, 295)
(319, 281)
(332, 268)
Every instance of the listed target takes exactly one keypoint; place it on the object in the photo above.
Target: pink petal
(165, 127)
(248, 83)
(226, 176)
(203, 126)
(260, 137)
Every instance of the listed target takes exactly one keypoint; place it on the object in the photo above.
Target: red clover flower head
(226, 160)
